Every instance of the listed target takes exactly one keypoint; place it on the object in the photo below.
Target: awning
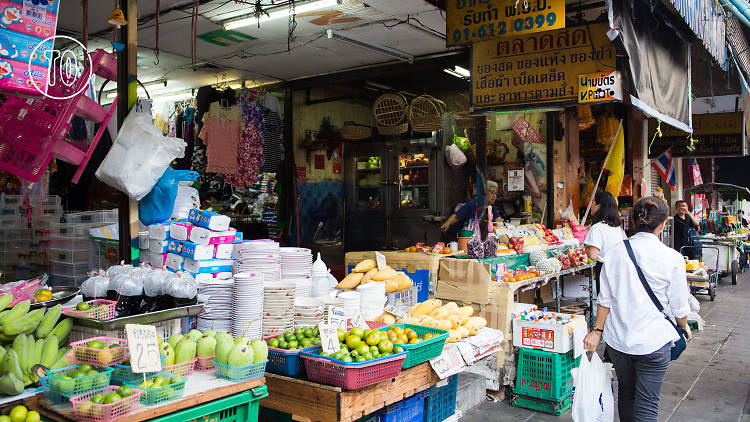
(658, 60)
(738, 43)
(706, 19)
(720, 188)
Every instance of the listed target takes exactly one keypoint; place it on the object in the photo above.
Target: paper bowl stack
(308, 312)
(278, 308)
(247, 305)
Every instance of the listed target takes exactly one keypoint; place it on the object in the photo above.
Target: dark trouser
(639, 381)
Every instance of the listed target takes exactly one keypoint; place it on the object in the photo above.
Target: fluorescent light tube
(378, 48)
(279, 12)
(461, 71)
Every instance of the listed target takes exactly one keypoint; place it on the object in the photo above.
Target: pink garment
(222, 140)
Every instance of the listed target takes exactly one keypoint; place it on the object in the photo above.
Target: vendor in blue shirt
(466, 213)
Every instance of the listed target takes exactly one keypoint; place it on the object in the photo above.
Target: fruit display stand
(201, 389)
(313, 402)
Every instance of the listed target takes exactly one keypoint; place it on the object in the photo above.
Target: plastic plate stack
(296, 262)
(372, 299)
(216, 313)
(260, 256)
(278, 308)
(247, 305)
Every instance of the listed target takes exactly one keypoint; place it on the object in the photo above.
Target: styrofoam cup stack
(351, 302)
(278, 308)
(372, 299)
(308, 312)
(296, 262)
(217, 306)
(247, 305)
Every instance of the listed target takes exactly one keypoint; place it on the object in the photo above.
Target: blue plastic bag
(158, 204)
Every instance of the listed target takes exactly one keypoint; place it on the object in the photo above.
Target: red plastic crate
(104, 312)
(104, 412)
(351, 376)
(101, 357)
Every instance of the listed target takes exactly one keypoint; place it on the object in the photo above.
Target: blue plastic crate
(407, 410)
(440, 404)
(421, 279)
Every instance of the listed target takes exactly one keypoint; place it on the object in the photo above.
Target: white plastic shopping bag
(139, 156)
(593, 399)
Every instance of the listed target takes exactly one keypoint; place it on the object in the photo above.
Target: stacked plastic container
(15, 237)
(70, 247)
(45, 214)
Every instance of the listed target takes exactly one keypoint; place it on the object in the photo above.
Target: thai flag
(664, 166)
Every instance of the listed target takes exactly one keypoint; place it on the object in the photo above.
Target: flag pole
(598, 179)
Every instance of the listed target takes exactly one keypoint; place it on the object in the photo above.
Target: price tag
(358, 321)
(448, 363)
(329, 338)
(515, 180)
(380, 259)
(399, 314)
(337, 317)
(144, 348)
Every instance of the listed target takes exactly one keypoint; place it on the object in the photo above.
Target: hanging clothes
(250, 157)
(221, 134)
(185, 131)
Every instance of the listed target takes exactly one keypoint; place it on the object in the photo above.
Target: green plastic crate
(240, 407)
(556, 408)
(545, 375)
(424, 350)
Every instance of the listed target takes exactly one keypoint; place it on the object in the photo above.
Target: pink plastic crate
(351, 376)
(86, 411)
(184, 369)
(101, 357)
(104, 312)
(204, 364)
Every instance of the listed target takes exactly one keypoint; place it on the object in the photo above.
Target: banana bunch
(17, 362)
(19, 320)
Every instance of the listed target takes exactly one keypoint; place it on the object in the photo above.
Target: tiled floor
(710, 381)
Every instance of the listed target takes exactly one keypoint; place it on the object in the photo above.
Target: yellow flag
(616, 163)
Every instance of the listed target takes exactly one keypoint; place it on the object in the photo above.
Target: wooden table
(201, 387)
(312, 402)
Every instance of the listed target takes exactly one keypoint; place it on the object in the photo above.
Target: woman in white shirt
(638, 337)
(605, 233)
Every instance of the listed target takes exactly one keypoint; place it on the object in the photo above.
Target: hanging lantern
(117, 18)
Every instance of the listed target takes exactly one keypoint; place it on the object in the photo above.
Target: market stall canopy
(266, 52)
(724, 188)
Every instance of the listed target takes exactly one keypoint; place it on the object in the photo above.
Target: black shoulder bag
(680, 345)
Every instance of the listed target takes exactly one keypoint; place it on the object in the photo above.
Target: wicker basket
(355, 132)
(393, 130)
(390, 110)
(426, 113)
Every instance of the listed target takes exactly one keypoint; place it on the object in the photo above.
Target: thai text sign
(719, 134)
(470, 21)
(538, 69)
(599, 87)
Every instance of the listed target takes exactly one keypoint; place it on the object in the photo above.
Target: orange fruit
(447, 250)
(411, 334)
(402, 339)
(413, 341)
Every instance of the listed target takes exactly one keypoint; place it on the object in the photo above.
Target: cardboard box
(464, 280)
(421, 268)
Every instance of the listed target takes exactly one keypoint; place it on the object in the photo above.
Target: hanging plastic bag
(95, 287)
(454, 156)
(187, 199)
(157, 206)
(593, 400)
(139, 156)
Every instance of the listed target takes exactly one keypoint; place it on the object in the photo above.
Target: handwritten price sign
(144, 348)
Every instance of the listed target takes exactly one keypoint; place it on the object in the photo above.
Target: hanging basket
(390, 109)
(426, 114)
(393, 130)
(355, 132)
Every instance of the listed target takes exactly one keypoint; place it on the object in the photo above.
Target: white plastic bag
(139, 156)
(593, 400)
(454, 156)
(187, 199)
